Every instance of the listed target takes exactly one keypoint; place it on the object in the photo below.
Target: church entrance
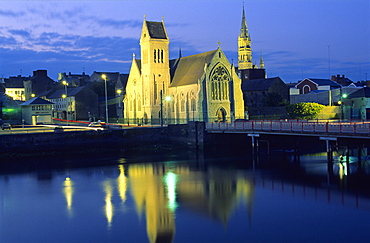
(221, 115)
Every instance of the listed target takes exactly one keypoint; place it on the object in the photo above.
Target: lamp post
(166, 98)
(161, 112)
(341, 103)
(106, 97)
(65, 97)
(119, 110)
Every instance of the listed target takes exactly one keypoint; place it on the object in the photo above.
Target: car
(95, 124)
(6, 126)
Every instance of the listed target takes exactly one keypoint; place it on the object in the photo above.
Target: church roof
(188, 70)
(138, 63)
(156, 30)
(259, 84)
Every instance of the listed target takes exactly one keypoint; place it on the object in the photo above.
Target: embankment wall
(157, 138)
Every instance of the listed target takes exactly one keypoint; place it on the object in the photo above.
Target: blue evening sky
(298, 38)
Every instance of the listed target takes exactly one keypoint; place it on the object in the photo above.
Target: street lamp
(64, 96)
(341, 103)
(166, 98)
(119, 95)
(119, 110)
(106, 97)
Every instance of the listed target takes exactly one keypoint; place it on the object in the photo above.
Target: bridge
(294, 127)
(350, 134)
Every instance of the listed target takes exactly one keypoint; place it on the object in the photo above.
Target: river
(186, 196)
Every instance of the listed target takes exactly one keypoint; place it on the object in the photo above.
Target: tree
(304, 110)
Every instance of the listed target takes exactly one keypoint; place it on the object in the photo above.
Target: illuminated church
(202, 87)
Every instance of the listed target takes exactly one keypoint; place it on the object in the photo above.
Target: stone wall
(171, 137)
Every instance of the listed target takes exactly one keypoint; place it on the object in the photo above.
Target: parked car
(6, 126)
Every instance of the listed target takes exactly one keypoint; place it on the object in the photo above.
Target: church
(202, 87)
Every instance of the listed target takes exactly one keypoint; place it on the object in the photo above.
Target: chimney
(40, 73)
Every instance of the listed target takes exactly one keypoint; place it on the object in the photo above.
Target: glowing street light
(106, 97)
(166, 98)
(119, 95)
(64, 96)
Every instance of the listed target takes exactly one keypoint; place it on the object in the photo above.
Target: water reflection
(164, 201)
(109, 208)
(122, 183)
(68, 193)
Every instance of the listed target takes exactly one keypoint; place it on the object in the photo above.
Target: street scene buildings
(159, 90)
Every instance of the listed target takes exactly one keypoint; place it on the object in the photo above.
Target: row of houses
(72, 97)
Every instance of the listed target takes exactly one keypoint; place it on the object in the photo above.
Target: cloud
(22, 33)
(6, 41)
(10, 13)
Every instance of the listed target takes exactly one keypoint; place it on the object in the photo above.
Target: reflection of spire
(155, 193)
(68, 193)
(108, 202)
(122, 183)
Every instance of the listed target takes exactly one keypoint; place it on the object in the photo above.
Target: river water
(179, 197)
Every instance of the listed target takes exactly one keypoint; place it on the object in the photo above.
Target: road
(46, 129)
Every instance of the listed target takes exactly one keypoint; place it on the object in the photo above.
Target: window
(220, 83)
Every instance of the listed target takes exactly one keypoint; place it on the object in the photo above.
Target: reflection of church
(201, 87)
(158, 189)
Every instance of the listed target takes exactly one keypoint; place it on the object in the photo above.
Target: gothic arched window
(220, 78)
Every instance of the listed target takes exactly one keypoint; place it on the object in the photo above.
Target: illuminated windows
(220, 83)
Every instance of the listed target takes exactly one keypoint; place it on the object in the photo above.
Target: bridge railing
(292, 126)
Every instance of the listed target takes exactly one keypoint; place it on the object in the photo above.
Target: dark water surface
(178, 197)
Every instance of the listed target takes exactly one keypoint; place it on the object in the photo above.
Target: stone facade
(202, 87)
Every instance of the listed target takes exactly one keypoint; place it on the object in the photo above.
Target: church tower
(155, 67)
(244, 46)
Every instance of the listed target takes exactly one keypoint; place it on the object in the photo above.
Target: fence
(362, 128)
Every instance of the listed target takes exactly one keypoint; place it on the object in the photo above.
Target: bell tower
(154, 66)
(244, 46)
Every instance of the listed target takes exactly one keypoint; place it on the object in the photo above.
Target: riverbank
(77, 142)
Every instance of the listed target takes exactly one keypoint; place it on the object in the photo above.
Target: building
(77, 103)
(74, 80)
(37, 110)
(256, 92)
(357, 104)
(14, 87)
(37, 84)
(309, 84)
(246, 69)
(342, 80)
(120, 94)
(202, 87)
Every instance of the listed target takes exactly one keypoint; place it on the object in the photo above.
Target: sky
(297, 38)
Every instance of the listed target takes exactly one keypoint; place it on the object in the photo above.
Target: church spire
(244, 28)
(262, 63)
(244, 46)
